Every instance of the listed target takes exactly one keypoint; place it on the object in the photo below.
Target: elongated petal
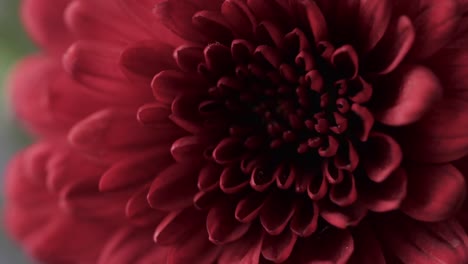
(435, 192)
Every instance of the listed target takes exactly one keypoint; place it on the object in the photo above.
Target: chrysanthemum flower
(244, 131)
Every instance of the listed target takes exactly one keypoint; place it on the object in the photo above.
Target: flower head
(277, 131)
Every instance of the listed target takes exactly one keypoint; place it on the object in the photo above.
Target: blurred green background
(14, 44)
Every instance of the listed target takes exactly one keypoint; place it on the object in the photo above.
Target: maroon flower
(277, 131)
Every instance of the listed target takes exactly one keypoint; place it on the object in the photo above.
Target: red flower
(267, 131)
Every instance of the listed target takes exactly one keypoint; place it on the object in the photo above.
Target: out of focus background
(14, 44)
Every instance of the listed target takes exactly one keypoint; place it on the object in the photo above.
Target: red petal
(246, 250)
(213, 26)
(344, 193)
(178, 226)
(249, 208)
(96, 65)
(345, 59)
(386, 195)
(142, 13)
(44, 22)
(188, 149)
(420, 242)
(167, 85)
(278, 248)
(228, 150)
(276, 213)
(177, 16)
(418, 89)
(55, 102)
(153, 114)
(84, 19)
(342, 217)
(233, 180)
(196, 249)
(374, 17)
(435, 192)
(174, 187)
(367, 248)
(441, 136)
(435, 22)
(305, 219)
(110, 132)
(239, 17)
(382, 157)
(393, 48)
(141, 169)
(143, 60)
(139, 211)
(222, 226)
(332, 246)
(208, 178)
(132, 245)
(188, 57)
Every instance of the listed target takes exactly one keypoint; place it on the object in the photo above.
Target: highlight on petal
(435, 192)
(414, 92)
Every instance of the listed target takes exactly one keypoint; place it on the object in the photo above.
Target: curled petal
(418, 89)
(222, 226)
(174, 187)
(382, 158)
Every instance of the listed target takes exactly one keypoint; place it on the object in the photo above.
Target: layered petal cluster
(245, 131)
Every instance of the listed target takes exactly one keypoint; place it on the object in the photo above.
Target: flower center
(292, 100)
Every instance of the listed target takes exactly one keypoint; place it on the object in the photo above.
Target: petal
(178, 226)
(344, 193)
(142, 14)
(418, 89)
(345, 59)
(382, 156)
(435, 192)
(435, 23)
(168, 84)
(374, 17)
(342, 217)
(222, 226)
(233, 180)
(96, 65)
(141, 168)
(386, 195)
(239, 17)
(188, 149)
(55, 102)
(420, 242)
(174, 187)
(132, 245)
(208, 178)
(110, 131)
(139, 212)
(367, 248)
(85, 21)
(228, 150)
(196, 249)
(332, 246)
(247, 250)
(278, 248)
(250, 207)
(276, 213)
(143, 60)
(393, 48)
(305, 219)
(44, 22)
(441, 136)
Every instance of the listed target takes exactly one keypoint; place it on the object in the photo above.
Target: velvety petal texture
(243, 131)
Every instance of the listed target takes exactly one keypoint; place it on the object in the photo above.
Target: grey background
(14, 44)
